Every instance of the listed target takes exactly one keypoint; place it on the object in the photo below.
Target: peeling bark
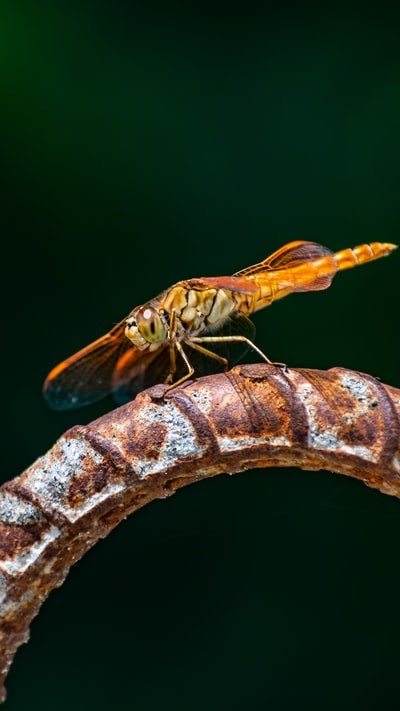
(253, 416)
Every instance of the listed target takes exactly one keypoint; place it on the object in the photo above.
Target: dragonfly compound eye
(150, 324)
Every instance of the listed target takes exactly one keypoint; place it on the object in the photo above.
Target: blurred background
(143, 144)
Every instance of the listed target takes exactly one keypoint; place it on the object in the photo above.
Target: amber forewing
(87, 376)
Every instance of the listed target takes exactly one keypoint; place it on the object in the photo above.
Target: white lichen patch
(230, 444)
(327, 438)
(180, 440)
(203, 400)
(52, 477)
(15, 511)
(3, 588)
(361, 392)
(19, 563)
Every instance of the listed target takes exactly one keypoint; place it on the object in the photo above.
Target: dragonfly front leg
(188, 364)
(172, 363)
(173, 347)
(172, 354)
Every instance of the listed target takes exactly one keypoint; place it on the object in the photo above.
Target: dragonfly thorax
(196, 306)
(146, 328)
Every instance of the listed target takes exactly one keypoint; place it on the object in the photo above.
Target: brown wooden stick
(253, 416)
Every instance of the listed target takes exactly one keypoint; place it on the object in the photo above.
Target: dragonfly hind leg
(227, 339)
(194, 343)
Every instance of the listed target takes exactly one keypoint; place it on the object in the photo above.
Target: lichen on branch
(253, 416)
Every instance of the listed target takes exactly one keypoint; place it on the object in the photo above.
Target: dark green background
(143, 144)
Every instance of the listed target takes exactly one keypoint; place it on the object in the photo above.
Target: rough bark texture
(253, 416)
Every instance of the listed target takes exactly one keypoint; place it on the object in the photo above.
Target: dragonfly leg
(172, 363)
(243, 339)
(172, 326)
(187, 362)
(172, 355)
(208, 353)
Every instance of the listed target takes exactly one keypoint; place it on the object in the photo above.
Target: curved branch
(253, 416)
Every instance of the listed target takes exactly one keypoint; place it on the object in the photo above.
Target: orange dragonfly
(150, 345)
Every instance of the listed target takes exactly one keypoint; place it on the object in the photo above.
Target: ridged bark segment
(254, 416)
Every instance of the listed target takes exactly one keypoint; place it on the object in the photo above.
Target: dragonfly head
(146, 328)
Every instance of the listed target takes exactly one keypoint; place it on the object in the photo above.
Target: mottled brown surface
(253, 416)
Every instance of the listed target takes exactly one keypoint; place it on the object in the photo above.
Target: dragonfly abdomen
(351, 257)
(312, 270)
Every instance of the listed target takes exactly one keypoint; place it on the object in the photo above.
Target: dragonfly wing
(138, 370)
(303, 266)
(87, 376)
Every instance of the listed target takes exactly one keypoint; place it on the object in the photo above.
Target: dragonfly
(200, 325)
